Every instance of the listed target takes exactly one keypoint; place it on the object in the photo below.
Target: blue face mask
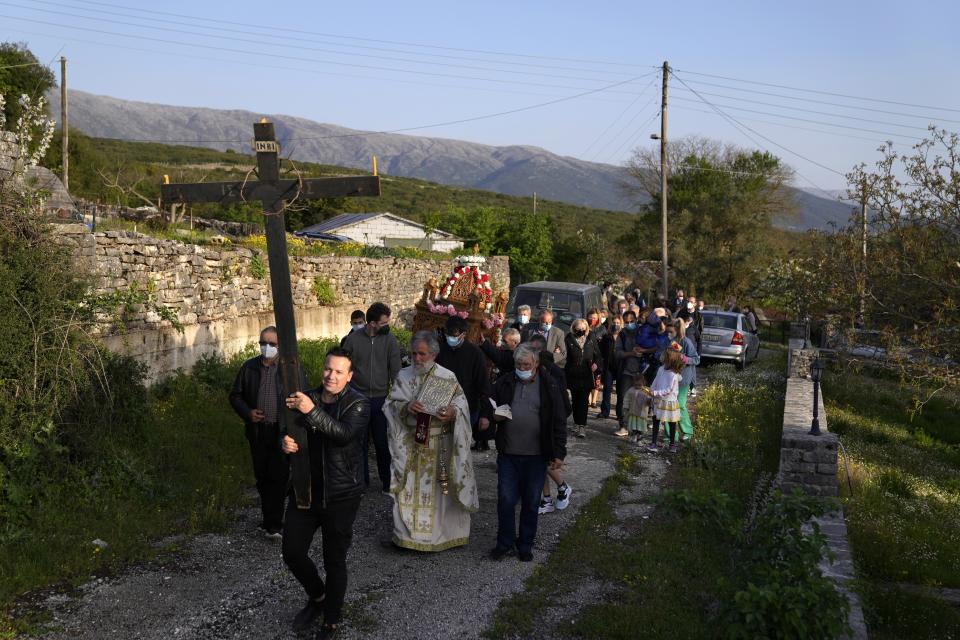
(360, 326)
(524, 319)
(454, 342)
(546, 326)
(524, 375)
(630, 326)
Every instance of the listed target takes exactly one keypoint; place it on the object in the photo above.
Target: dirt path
(235, 585)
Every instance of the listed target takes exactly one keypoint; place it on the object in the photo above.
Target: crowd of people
(455, 397)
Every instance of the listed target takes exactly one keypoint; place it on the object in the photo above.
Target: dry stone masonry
(807, 462)
(222, 295)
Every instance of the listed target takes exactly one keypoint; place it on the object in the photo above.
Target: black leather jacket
(336, 443)
(553, 417)
(246, 387)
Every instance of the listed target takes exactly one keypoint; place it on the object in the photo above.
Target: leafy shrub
(258, 269)
(312, 355)
(325, 292)
(779, 591)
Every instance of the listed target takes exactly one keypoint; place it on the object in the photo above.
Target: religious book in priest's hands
(437, 393)
(504, 411)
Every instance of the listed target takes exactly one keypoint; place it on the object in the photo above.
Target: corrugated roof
(349, 219)
(339, 222)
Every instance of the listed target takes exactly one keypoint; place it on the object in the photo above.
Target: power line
(376, 40)
(188, 56)
(628, 141)
(741, 126)
(814, 101)
(301, 59)
(314, 40)
(780, 115)
(819, 92)
(789, 126)
(25, 64)
(822, 113)
(617, 119)
(415, 128)
(260, 42)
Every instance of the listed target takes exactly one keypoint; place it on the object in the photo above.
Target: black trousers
(624, 382)
(336, 528)
(271, 468)
(581, 397)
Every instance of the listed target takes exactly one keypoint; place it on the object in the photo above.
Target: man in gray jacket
(553, 335)
(375, 354)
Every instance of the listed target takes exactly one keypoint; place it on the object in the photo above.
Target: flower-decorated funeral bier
(466, 292)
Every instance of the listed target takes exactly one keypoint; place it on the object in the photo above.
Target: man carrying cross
(276, 194)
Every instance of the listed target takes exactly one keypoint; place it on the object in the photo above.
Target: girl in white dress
(664, 391)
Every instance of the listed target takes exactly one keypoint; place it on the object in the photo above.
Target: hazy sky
(387, 66)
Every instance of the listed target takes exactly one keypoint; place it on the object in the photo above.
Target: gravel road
(235, 585)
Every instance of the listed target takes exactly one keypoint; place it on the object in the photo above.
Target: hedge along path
(235, 585)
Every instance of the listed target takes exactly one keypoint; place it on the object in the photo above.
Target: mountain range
(514, 170)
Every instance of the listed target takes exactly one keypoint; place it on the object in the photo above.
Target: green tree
(526, 238)
(720, 205)
(21, 74)
(913, 269)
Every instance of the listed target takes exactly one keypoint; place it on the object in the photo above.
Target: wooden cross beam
(275, 194)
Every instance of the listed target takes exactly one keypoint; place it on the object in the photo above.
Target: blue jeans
(607, 391)
(378, 429)
(519, 479)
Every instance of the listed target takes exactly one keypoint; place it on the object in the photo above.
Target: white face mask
(524, 319)
(689, 304)
(360, 326)
(268, 351)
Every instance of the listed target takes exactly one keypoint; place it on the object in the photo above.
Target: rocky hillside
(513, 170)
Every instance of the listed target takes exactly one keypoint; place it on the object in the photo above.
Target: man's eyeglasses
(264, 343)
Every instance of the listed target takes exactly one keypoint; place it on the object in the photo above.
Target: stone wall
(223, 304)
(807, 462)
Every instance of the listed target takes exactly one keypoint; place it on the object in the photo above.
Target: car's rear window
(719, 321)
(549, 300)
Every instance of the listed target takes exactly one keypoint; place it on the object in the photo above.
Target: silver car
(726, 336)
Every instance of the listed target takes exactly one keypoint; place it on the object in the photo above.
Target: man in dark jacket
(502, 357)
(468, 363)
(376, 361)
(629, 360)
(531, 439)
(256, 399)
(336, 418)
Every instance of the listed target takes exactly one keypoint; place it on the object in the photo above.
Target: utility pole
(64, 140)
(663, 179)
(863, 254)
(534, 203)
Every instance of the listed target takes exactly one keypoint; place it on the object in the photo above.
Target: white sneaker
(563, 496)
(546, 505)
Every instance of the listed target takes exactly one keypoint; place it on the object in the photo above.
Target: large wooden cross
(275, 194)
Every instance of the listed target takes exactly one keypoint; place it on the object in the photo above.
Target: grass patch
(183, 469)
(671, 575)
(581, 553)
(903, 515)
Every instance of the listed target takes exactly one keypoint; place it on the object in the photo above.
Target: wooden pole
(863, 253)
(64, 126)
(663, 180)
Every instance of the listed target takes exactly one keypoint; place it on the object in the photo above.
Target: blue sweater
(689, 373)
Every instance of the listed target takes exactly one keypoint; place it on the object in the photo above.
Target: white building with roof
(381, 230)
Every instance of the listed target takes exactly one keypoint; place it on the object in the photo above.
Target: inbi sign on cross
(276, 194)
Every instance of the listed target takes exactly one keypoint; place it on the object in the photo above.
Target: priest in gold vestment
(432, 480)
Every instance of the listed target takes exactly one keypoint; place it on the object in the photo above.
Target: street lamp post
(816, 370)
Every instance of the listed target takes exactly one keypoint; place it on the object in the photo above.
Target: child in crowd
(664, 391)
(636, 405)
